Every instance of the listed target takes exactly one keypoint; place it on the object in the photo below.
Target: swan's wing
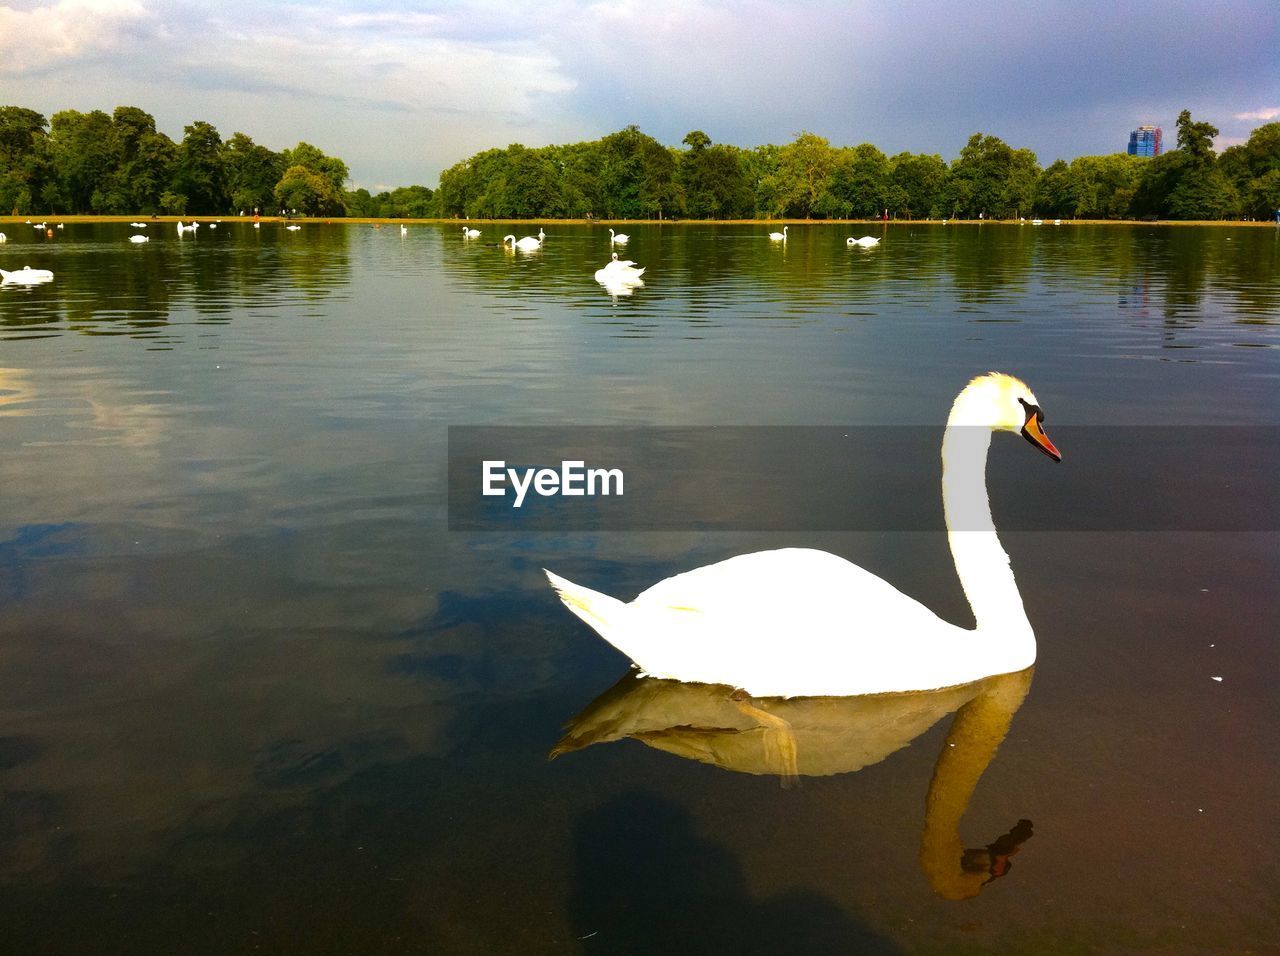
(789, 622)
(791, 585)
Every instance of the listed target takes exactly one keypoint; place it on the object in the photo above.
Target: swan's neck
(981, 563)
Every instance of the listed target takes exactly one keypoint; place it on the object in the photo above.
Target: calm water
(254, 695)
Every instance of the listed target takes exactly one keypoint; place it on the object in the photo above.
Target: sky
(401, 91)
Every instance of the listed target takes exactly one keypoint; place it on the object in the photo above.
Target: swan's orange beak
(1033, 432)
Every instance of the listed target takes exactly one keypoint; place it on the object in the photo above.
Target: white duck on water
(799, 622)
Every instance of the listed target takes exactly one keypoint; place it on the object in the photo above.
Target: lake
(255, 695)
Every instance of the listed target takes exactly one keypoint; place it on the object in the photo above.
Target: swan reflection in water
(823, 736)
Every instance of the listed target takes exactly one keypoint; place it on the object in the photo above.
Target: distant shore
(52, 221)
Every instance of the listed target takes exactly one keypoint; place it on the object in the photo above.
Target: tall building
(1146, 141)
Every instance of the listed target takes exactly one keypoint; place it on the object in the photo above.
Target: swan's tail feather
(602, 612)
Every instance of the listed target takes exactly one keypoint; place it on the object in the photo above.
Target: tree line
(119, 163)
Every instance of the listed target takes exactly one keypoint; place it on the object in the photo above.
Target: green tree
(860, 182)
(1196, 139)
(252, 172)
(309, 192)
(918, 184)
(309, 157)
(804, 174)
(989, 179)
(713, 179)
(84, 153)
(25, 166)
(198, 171)
(1251, 168)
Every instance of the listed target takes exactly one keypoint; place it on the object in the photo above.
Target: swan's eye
(1033, 411)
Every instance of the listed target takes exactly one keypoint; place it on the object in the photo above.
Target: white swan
(25, 276)
(618, 239)
(541, 235)
(528, 243)
(470, 233)
(139, 238)
(138, 225)
(779, 236)
(404, 230)
(619, 272)
(799, 622)
(866, 242)
(3, 237)
(293, 228)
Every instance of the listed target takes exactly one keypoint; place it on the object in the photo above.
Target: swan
(799, 622)
(3, 237)
(293, 228)
(471, 233)
(541, 235)
(866, 242)
(619, 272)
(139, 238)
(618, 239)
(25, 276)
(779, 236)
(404, 230)
(528, 243)
(138, 225)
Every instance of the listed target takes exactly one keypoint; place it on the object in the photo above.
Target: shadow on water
(647, 883)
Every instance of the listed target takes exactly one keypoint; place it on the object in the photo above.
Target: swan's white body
(619, 239)
(800, 622)
(528, 243)
(139, 238)
(138, 225)
(293, 228)
(866, 242)
(3, 237)
(25, 276)
(619, 272)
(779, 236)
(541, 235)
(470, 233)
(404, 230)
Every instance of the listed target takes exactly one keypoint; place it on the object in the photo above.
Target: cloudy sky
(402, 90)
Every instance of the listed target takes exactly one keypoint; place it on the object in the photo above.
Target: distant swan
(528, 243)
(799, 622)
(866, 242)
(470, 233)
(3, 237)
(404, 230)
(293, 228)
(541, 235)
(779, 236)
(25, 276)
(620, 239)
(139, 238)
(138, 225)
